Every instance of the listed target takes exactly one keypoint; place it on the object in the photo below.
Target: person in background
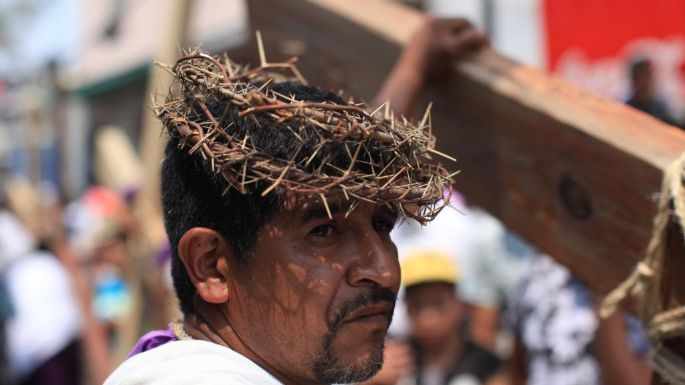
(644, 96)
(491, 270)
(562, 341)
(97, 225)
(43, 330)
(440, 351)
(491, 258)
(425, 61)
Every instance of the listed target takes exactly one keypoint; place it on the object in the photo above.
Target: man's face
(434, 314)
(315, 299)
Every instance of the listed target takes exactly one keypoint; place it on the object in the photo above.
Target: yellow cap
(422, 266)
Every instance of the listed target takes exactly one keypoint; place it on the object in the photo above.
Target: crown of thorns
(405, 176)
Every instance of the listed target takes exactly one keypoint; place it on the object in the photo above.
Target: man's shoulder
(190, 362)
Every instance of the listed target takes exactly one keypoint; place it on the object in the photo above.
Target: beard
(329, 368)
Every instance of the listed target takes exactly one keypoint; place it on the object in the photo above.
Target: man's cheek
(289, 287)
(319, 286)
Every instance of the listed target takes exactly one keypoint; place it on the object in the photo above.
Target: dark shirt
(655, 107)
(473, 361)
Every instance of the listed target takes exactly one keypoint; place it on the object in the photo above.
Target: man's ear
(204, 253)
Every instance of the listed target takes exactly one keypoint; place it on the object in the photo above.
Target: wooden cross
(573, 173)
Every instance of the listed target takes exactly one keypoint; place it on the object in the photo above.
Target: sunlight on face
(317, 296)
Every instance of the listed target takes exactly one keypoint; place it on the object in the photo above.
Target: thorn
(378, 109)
(434, 151)
(325, 204)
(260, 47)
(426, 115)
(266, 84)
(277, 182)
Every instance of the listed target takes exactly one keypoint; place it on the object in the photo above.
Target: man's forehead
(304, 208)
(317, 206)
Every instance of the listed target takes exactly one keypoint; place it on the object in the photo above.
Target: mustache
(347, 307)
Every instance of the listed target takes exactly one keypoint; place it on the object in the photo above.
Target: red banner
(592, 42)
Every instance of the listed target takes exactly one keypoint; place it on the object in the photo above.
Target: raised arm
(425, 60)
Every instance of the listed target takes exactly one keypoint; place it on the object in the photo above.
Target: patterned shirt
(554, 317)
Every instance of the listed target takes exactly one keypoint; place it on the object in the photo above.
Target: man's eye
(324, 230)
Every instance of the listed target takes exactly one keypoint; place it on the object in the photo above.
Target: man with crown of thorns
(279, 199)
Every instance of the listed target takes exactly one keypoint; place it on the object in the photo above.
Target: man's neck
(213, 326)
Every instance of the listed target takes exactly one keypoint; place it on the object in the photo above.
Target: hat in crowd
(427, 266)
(94, 219)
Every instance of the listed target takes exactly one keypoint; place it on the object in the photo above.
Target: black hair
(193, 196)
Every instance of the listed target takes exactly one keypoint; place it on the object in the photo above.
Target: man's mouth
(372, 314)
(372, 309)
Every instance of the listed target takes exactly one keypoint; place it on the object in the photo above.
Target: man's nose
(375, 263)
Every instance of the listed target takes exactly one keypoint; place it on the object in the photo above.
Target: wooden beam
(571, 172)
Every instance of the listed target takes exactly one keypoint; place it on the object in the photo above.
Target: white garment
(190, 362)
(46, 315)
(15, 239)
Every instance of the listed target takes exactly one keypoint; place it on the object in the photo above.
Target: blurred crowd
(73, 284)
